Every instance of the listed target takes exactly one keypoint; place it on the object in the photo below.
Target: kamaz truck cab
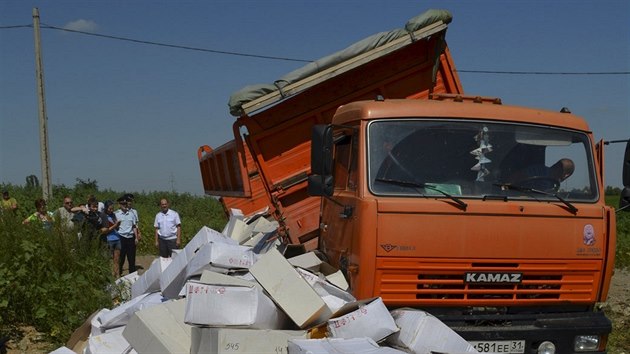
(490, 217)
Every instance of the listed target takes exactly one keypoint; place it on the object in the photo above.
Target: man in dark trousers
(128, 231)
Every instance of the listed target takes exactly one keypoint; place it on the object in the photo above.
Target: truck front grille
(442, 283)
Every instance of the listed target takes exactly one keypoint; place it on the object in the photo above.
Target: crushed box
(421, 332)
(366, 318)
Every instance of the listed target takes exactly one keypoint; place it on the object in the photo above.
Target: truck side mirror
(624, 199)
(320, 185)
(320, 182)
(321, 150)
(626, 167)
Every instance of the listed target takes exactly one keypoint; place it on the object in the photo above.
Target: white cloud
(82, 25)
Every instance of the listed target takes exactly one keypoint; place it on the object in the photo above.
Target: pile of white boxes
(218, 296)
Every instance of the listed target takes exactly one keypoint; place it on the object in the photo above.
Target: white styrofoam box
(289, 290)
(159, 329)
(420, 332)
(334, 297)
(149, 281)
(111, 342)
(118, 316)
(96, 325)
(231, 302)
(361, 345)
(220, 257)
(235, 215)
(263, 225)
(311, 262)
(241, 341)
(240, 231)
(254, 239)
(203, 236)
(308, 261)
(334, 276)
(173, 277)
(366, 318)
(62, 350)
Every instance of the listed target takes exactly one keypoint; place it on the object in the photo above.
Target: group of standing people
(119, 228)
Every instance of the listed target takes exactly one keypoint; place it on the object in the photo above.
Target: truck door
(337, 221)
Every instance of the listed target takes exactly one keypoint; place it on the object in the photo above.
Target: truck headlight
(546, 347)
(586, 343)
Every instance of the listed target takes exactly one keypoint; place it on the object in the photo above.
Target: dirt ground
(617, 308)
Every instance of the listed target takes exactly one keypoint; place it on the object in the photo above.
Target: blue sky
(132, 116)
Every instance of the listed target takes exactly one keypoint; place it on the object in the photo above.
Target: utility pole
(43, 119)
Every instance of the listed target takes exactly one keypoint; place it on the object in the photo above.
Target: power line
(543, 72)
(176, 46)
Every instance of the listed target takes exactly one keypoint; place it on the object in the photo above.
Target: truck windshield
(479, 159)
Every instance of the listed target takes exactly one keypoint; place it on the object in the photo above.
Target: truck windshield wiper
(459, 202)
(528, 190)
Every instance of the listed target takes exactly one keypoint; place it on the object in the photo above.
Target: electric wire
(215, 51)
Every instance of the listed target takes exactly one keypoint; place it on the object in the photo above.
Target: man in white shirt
(167, 229)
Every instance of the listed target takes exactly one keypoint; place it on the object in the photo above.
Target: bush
(622, 259)
(53, 280)
(49, 278)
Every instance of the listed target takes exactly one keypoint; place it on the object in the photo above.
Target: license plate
(503, 346)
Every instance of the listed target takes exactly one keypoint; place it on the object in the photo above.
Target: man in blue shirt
(128, 231)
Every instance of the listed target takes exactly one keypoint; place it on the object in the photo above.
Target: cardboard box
(149, 281)
(338, 346)
(203, 236)
(120, 315)
(308, 261)
(220, 257)
(111, 342)
(231, 302)
(420, 332)
(62, 350)
(263, 225)
(289, 290)
(96, 327)
(159, 329)
(241, 341)
(81, 334)
(366, 318)
(334, 297)
(173, 277)
(235, 224)
(311, 262)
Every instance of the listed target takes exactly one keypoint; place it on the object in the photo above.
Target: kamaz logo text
(513, 278)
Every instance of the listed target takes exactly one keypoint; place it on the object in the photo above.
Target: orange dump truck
(491, 217)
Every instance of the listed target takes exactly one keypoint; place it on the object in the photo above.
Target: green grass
(622, 254)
